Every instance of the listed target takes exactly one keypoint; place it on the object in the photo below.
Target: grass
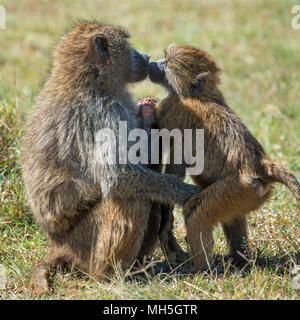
(258, 50)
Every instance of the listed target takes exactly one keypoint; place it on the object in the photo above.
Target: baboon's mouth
(147, 109)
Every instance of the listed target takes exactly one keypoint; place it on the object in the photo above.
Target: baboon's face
(113, 49)
(184, 70)
(107, 48)
(132, 65)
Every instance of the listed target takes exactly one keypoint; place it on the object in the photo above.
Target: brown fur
(237, 173)
(95, 215)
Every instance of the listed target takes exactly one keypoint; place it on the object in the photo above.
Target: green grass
(254, 44)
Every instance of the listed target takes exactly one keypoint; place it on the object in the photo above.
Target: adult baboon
(94, 212)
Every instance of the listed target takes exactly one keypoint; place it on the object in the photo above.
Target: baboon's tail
(274, 172)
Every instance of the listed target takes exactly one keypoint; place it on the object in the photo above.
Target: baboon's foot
(39, 284)
(238, 259)
(41, 288)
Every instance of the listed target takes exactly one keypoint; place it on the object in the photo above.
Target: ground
(258, 50)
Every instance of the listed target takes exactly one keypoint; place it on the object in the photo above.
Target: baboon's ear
(197, 86)
(101, 46)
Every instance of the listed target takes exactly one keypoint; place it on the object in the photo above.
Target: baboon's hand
(146, 107)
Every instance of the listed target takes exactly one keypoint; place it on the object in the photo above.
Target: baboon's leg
(169, 244)
(237, 238)
(123, 226)
(39, 282)
(151, 238)
(226, 200)
(110, 236)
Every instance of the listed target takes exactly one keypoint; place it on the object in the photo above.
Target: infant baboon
(237, 173)
(93, 211)
(161, 214)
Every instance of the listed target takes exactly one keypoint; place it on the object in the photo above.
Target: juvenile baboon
(94, 212)
(237, 173)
